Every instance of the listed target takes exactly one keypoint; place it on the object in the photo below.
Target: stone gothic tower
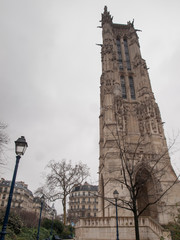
(132, 141)
(134, 158)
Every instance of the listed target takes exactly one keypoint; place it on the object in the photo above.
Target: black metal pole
(3, 232)
(39, 221)
(117, 231)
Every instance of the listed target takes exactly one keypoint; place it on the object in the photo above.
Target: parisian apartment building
(23, 198)
(83, 202)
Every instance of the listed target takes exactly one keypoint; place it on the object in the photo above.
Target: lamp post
(39, 224)
(20, 148)
(116, 194)
(53, 215)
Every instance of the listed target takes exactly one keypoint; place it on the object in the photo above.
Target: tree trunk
(136, 227)
(136, 223)
(64, 209)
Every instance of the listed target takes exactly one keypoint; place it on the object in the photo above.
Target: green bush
(14, 222)
(174, 227)
(46, 223)
(16, 230)
(68, 231)
(31, 234)
(10, 234)
(58, 226)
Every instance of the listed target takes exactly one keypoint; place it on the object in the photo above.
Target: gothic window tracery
(132, 90)
(118, 43)
(128, 64)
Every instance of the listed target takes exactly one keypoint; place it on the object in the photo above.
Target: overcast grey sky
(50, 68)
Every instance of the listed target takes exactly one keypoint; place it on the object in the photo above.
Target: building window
(2, 204)
(83, 200)
(83, 206)
(123, 87)
(83, 193)
(94, 214)
(118, 43)
(4, 196)
(131, 85)
(127, 54)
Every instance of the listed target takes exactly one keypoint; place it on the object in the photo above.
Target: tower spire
(106, 17)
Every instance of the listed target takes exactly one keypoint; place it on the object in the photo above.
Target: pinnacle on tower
(106, 17)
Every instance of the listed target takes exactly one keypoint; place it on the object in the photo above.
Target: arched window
(123, 87)
(146, 193)
(118, 43)
(127, 55)
(132, 90)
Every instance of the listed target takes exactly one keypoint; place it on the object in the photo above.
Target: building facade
(134, 158)
(23, 199)
(83, 202)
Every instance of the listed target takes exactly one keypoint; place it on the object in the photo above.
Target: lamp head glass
(20, 146)
(115, 194)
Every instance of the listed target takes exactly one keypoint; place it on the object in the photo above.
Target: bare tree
(62, 179)
(4, 139)
(140, 173)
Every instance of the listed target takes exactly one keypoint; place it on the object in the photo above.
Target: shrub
(31, 234)
(68, 231)
(58, 226)
(14, 221)
(174, 227)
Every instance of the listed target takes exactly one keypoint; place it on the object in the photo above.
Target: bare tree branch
(4, 140)
(139, 169)
(61, 180)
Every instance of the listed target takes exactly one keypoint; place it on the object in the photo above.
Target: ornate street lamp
(20, 148)
(42, 202)
(53, 216)
(116, 195)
